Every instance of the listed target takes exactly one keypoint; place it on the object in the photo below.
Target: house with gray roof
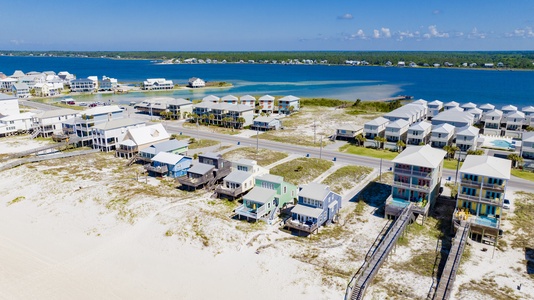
(50, 122)
(348, 131)
(269, 194)
(139, 138)
(410, 112)
(241, 179)
(527, 147)
(210, 169)
(466, 138)
(211, 98)
(492, 122)
(179, 108)
(168, 164)
(514, 124)
(230, 99)
(248, 100)
(266, 123)
(486, 108)
(468, 106)
(419, 133)
(396, 131)
(508, 109)
(317, 205)
(529, 115)
(451, 104)
(454, 116)
(374, 128)
(434, 108)
(169, 146)
(477, 114)
(21, 90)
(417, 173)
(266, 103)
(106, 136)
(288, 104)
(441, 135)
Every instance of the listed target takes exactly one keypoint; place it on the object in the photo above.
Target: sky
(274, 25)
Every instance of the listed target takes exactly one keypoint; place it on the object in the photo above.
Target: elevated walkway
(446, 282)
(21, 162)
(43, 149)
(365, 275)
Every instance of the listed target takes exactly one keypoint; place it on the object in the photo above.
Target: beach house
(137, 139)
(514, 124)
(481, 193)
(441, 135)
(230, 99)
(9, 105)
(50, 122)
(195, 82)
(106, 136)
(157, 84)
(107, 84)
(91, 117)
(270, 193)
(486, 108)
(211, 98)
(154, 106)
(508, 109)
(83, 85)
(434, 108)
(374, 128)
(527, 148)
(241, 179)
(451, 104)
(169, 146)
(168, 164)
(454, 116)
(529, 115)
(417, 173)
(266, 123)
(266, 103)
(210, 169)
(317, 205)
(248, 100)
(179, 108)
(348, 131)
(477, 114)
(20, 90)
(466, 138)
(239, 115)
(492, 122)
(419, 133)
(396, 131)
(288, 105)
(7, 83)
(412, 113)
(16, 123)
(467, 106)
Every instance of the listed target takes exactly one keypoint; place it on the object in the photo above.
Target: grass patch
(376, 153)
(264, 158)
(302, 170)
(323, 102)
(202, 143)
(522, 221)
(302, 140)
(421, 262)
(214, 128)
(523, 174)
(180, 137)
(451, 164)
(346, 177)
(16, 200)
(488, 287)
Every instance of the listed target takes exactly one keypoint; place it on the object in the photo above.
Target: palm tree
(380, 140)
(360, 139)
(241, 121)
(451, 150)
(400, 145)
(211, 117)
(516, 159)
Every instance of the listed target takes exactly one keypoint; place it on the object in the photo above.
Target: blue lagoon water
(342, 82)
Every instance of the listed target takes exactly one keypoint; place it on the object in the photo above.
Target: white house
(466, 138)
(514, 124)
(396, 131)
(375, 127)
(441, 135)
(434, 108)
(348, 131)
(9, 105)
(419, 133)
(21, 90)
(16, 123)
(248, 100)
(7, 83)
(157, 84)
(410, 112)
(195, 82)
(454, 116)
(241, 179)
(139, 138)
(527, 148)
(486, 108)
(529, 115)
(82, 85)
(468, 106)
(492, 122)
(50, 122)
(477, 114)
(266, 103)
(288, 104)
(106, 136)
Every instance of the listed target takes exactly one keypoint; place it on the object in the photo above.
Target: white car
(506, 204)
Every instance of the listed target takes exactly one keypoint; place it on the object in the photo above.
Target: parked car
(83, 104)
(506, 204)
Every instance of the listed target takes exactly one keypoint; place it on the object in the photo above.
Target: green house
(270, 193)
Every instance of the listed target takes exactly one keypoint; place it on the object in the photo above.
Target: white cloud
(17, 42)
(433, 29)
(436, 12)
(345, 17)
(475, 34)
(358, 35)
(376, 34)
(386, 32)
(526, 32)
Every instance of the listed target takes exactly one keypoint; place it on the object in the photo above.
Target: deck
(301, 226)
(364, 277)
(234, 193)
(446, 282)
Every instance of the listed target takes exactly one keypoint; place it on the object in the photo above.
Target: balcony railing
(158, 169)
(301, 226)
(493, 201)
(229, 191)
(414, 173)
(251, 213)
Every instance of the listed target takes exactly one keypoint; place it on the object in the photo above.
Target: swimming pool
(502, 144)
(399, 202)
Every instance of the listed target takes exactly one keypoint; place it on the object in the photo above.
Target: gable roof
(20, 86)
(487, 166)
(467, 131)
(420, 102)
(528, 109)
(423, 125)
(118, 123)
(435, 102)
(509, 108)
(148, 134)
(423, 156)
(452, 103)
(229, 98)
(260, 195)
(248, 97)
(167, 158)
(474, 111)
(237, 176)
(528, 136)
(314, 190)
(400, 123)
(469, 105)
(443, 128)
(487, 106)
(266, 97)
(200, 168)
(165, 146)
(494, 113)
(516, 114)
(378, 121)
(211, 98)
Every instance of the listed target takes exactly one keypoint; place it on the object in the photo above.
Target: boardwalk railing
(446, 282)
(370, 268)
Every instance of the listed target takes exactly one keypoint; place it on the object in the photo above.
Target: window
(285, 189)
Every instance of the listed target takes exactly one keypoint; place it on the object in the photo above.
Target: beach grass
(264, 158)
(301, 170)
(346, 177)
(370, 152)
(202, 143)
(523, 174)
(451, 164)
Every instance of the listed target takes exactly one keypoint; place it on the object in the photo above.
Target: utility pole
(457, 167)
(380, 171)
(257, 141)
(314, 131)
(321, 149)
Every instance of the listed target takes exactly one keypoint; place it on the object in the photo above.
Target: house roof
(200, 168)
(516, 114)
(475, 110)
(453, 116)
(167, 158)
(494, 113)
(378, 121)
(443, 128)
(528, 136)
(148, 134)
(229, 98)
(7, 97)
(423, 125)
(118, 123)
(248, 97)
(211, 98)
(239, 107)
(406, 111)
(21, 116)
(237, 176)
(316, 191)
(247, 162)
(265, 119)
(509, 108)
(487, 106)
(467, 131)
(435, 102)
(260, 195)
(165, 146)
(487, 166)
(308, 211)
(20, 86)
(350, 127)
(528, 109)
(400, 123)
(266, 97)
(100, 110)
(271, 178)
(468, 105)
(211, 155)
(289, 98)
(423, 156)
(57, 113)
(420, 102)
(179, 101)
(452, 103)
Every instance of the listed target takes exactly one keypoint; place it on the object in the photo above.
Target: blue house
(317, 205)
(170, 146)
(169, 164)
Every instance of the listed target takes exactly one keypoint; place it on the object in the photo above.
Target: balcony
(413, 173)
(295, 224)
(470, 182)
(248, 212)
(478, 199)
(229, 191)
(412, 186)
(493, 186)
(489, 221)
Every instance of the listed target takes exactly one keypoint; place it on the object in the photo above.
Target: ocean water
(342, 82)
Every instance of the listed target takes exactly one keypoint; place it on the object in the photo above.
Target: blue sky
(267, 25)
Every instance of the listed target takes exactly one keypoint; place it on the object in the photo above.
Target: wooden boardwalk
(446, 282)
(21, 162)
(364, 277)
